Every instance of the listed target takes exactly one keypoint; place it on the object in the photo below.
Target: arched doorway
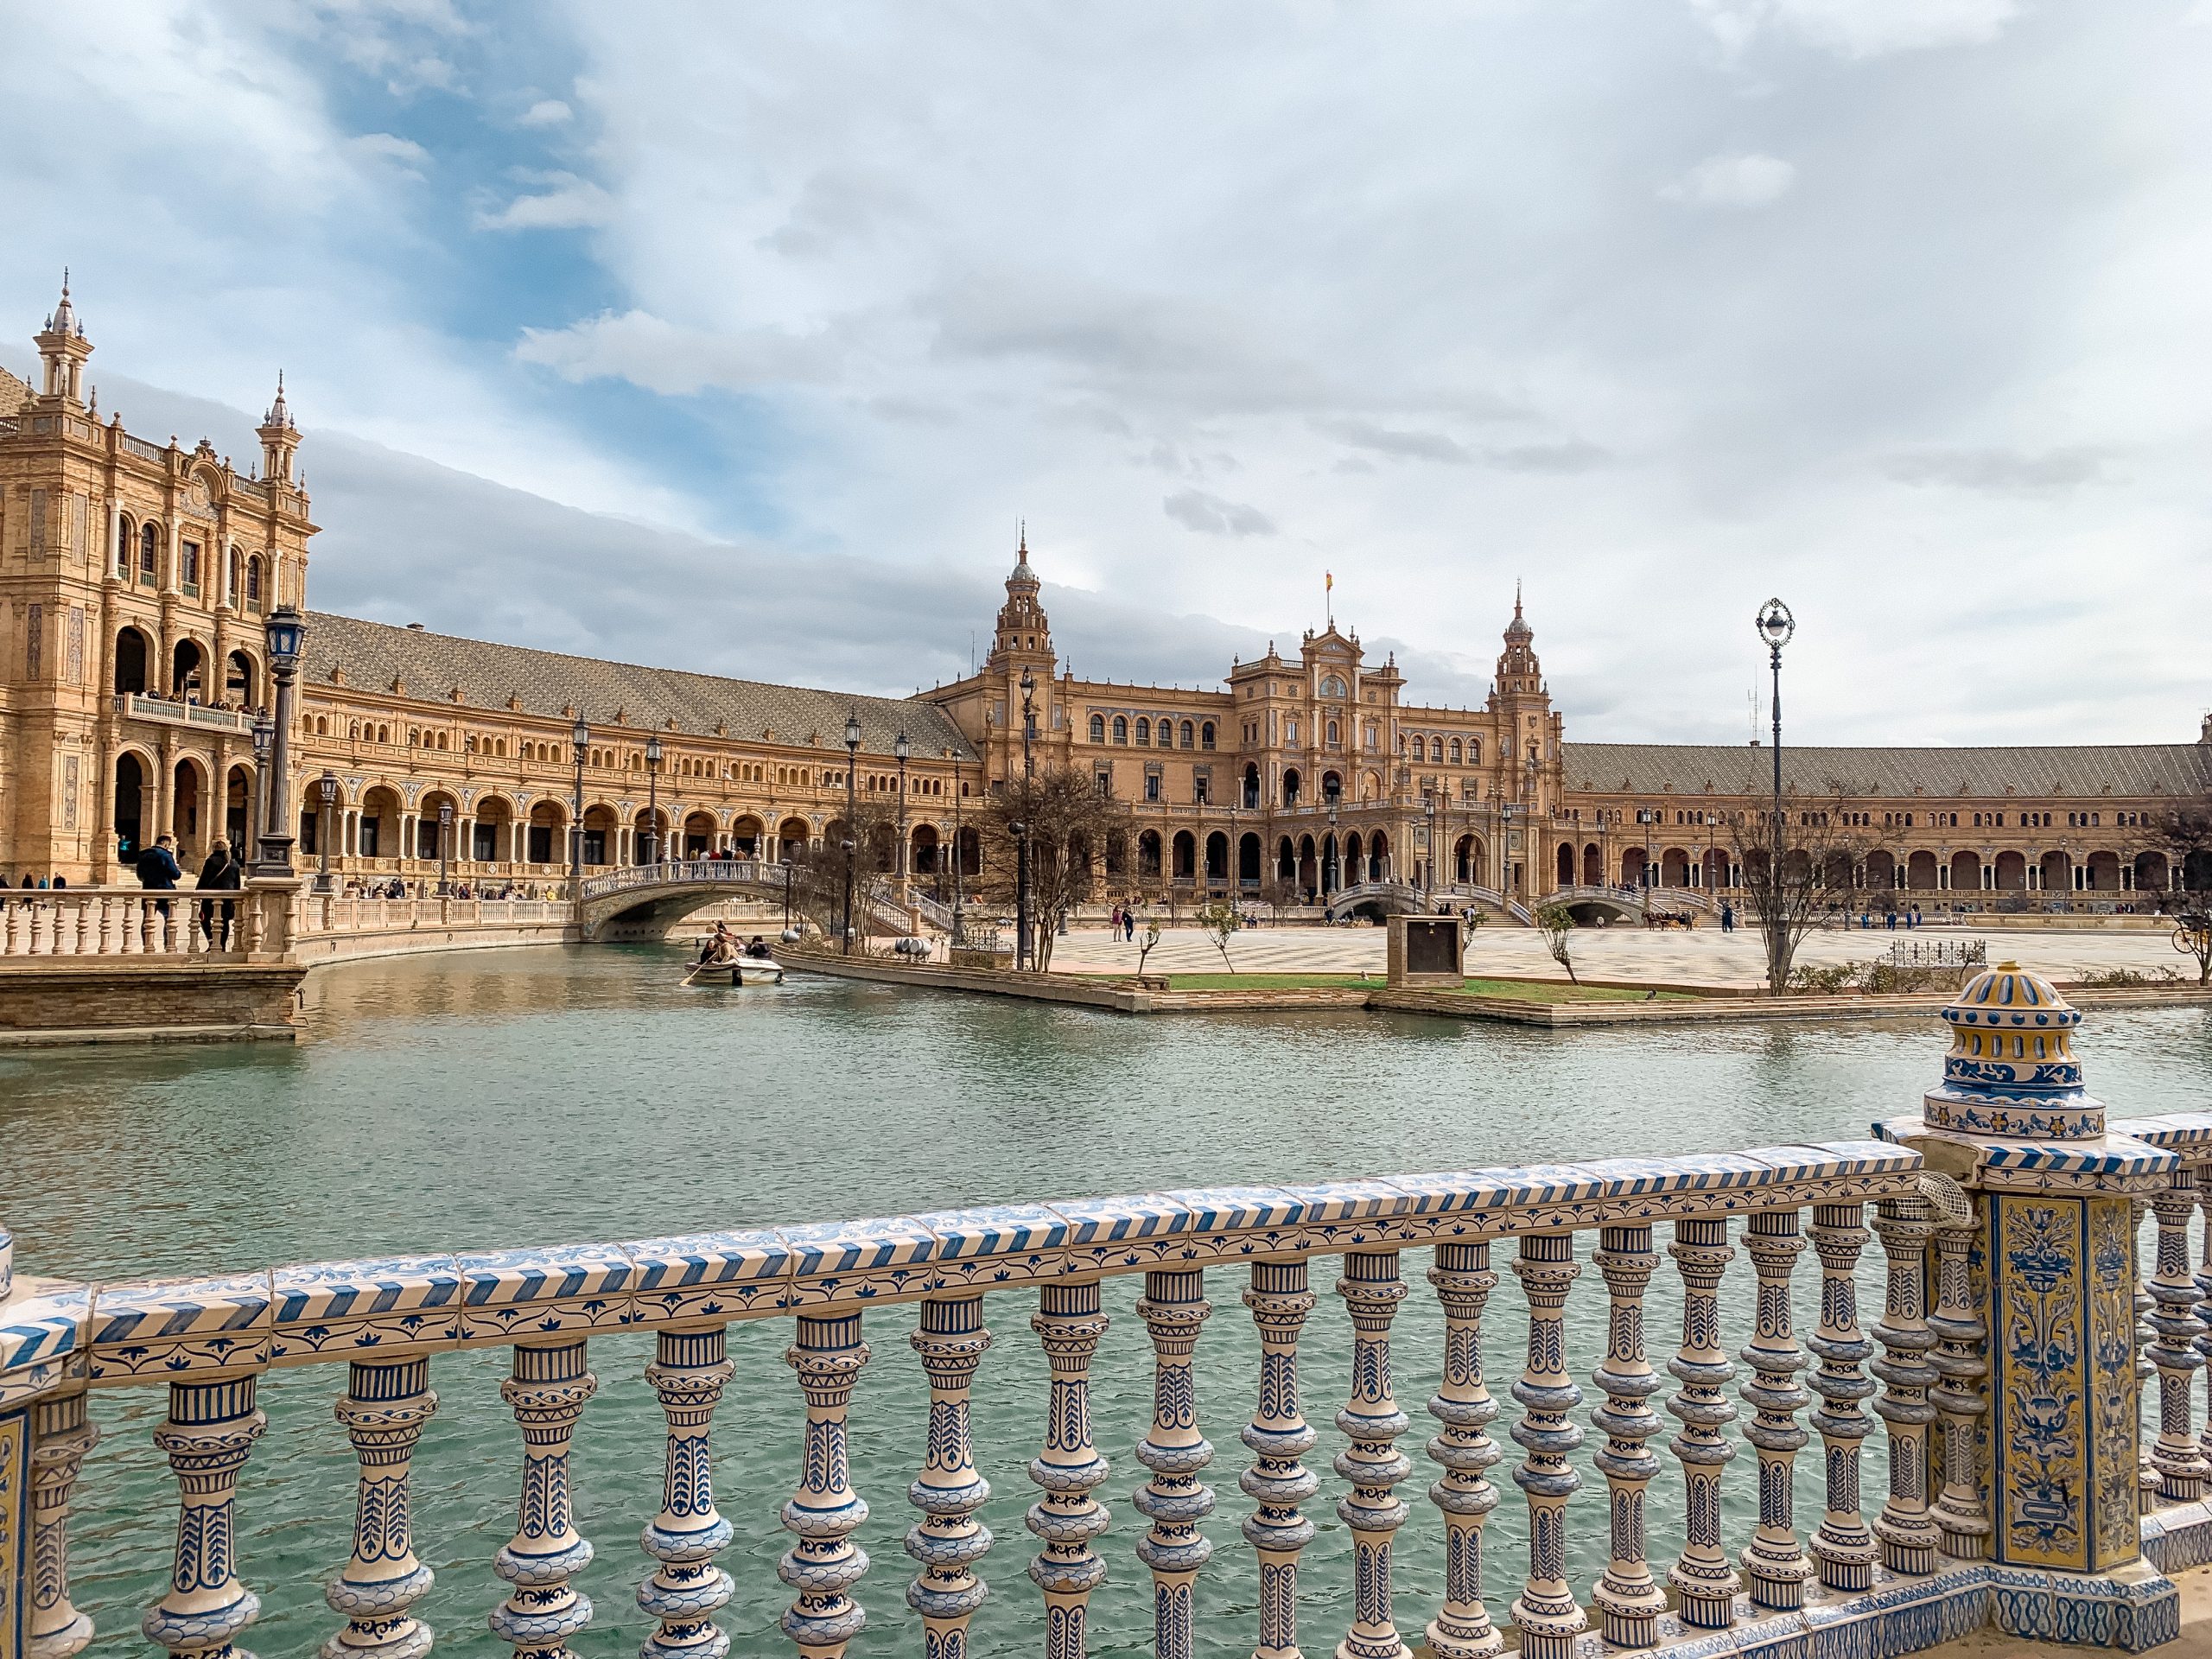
(922, 849)
(1966, 872)
(1566, 874)
(2104, 872)
(1881, 872)
(1290, 786)
(238, 809)
(790, 838)
(186, 804)
(1355, 861)
(1251, 786)
(491, 831)
(1148, 856)
(1286, 862)
(133, 651)
(1675, 867)
(1309, 867)
(187, 672)
(2056, 874)
(2011, 873)
(1378, 856)
(129, 816)
(969, 846)
(1330, 874)
(1187, 854)
(1920, 871)
(1217, 856)
(649, 836)
(698, 834)
(1632, 867)
(1332, 788)
(546, 839)
(430, 836)
(746, 836)
(378, 834)
(601, 829)
(1247, 859)
(239, 681)
(1593, 866)
(2151, 873)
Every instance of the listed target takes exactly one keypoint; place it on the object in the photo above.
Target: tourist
(60, 881)
(220, 873)
(1114, 921)
(1727, 917)
(1129, 926)
(759, 948)
(157, 870)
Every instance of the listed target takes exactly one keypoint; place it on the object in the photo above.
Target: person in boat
(757, 948)
(720, 946)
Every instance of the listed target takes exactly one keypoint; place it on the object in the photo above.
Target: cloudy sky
(739, 337)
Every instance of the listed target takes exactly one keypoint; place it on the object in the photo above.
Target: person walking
(220, 873)
(1727, 917)
(157, 870)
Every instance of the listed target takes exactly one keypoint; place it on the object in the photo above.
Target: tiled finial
(2012, 1070)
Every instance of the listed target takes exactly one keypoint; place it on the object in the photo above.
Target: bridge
(643, 901)
(1387, 898)
(1631, 904)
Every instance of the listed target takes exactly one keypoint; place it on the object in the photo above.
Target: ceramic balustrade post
(1704, 1582)
(2149, 1483)
(1065, 1521)
(2176, 1454)
(60, 1436)
(2202, 1340)
(1844, 1547)
(1962, 1361)
(1278, 1437)
(384, 1410)
(1173, 1308)
(209, 1432)
(1372, 1289)
(1463, 1404)
(1774, 1561)
(1546, 1612)
(1904, 1527)
(691, 1369)
(1628, 1600)
(547, 1391)
(949, 1540)
(825, 1563)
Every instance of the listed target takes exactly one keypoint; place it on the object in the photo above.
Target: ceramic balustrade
(133, 921)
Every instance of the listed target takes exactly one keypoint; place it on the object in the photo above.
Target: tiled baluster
(1068, 1517)
(1845, 1545)
(1961, 1362)
(383, 1408)
(2149, 1483)
(547, 1391)
(1546, 1612)
(2204, 1280)
(686, 1590)
(1701, 1576)
(1173, 1308)
(2176, 1455)
(950, 1540)
(825, 1563)
(1904, 1527)
(1278, 1437)
(1464, 1281)
(1372, 1463)
(1774, 1562)
(61, 1435)
(211, 1428)
(1628, 1599)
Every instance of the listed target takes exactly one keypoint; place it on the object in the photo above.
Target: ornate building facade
(134, 578)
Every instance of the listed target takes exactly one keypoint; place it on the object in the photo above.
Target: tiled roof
(2085, 770)
(371, 655)
(14, 394)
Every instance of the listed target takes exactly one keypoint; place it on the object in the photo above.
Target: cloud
(1212, 516)
(661, 357)
(1405, 446)
(1858, 29)
(2001, 472)
(1732, 182)
(546, 112)
(571, 204)
(403, 155)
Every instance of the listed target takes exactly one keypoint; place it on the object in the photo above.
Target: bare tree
(868, 846)
(1067, 823)
(1557, 923)
(1803, 868)
(2183, 836)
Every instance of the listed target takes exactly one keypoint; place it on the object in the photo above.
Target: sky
(742, 337)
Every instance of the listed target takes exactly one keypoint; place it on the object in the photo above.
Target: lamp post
(852, 812)
(445, 845)
(1332, 866)
(959, 854)
(652, 799)
(1021, 951)
(329, 790)
(284, 632)
(903, 749)
(579, 735)
(1775, 625)
(1428, 868)
(264, 734)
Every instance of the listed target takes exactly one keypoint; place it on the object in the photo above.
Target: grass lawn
(1527, 990)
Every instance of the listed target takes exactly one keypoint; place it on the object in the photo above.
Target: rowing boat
(745, 970)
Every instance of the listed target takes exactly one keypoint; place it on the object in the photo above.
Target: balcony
(137, 705)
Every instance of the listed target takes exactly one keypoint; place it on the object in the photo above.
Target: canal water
(538, 1096)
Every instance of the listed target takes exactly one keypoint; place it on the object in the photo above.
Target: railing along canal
(2045, 1216)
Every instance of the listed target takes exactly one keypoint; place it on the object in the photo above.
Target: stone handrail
(174, 711)
(327, 913)
(122, 921)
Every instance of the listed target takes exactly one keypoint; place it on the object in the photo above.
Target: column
(1777, 1567)
(950, 1540)
(825, 1510)
(61, 1435)
(211, 1428)
(1701, 1576)
(1546, 1610)
(547, 1392)
(1173, 1307)
(2202, 1341)
(1464, 1281)
(1372, 1463)
(2144, 1336)
(1962, 1519)
(1907, 1535)
(1279, 1436)
(385, 1405)
(1628, 1599)
(2176, 1455)
(686, 1590)
(1068, 1517)
(1844, 1547)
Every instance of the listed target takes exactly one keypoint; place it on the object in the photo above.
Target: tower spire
(62, 349)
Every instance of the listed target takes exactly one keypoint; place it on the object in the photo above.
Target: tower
(62, 349)
(280, 439)
(1022, 646)
(1529, 732)
(1025, 635)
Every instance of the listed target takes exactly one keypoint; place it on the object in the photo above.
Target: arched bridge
(1591, 904)
(643, 901)
(1404, 898)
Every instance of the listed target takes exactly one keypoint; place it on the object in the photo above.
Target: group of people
(721, 947)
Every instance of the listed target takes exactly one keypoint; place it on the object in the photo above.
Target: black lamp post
(1332, 876)
(329, 790)
(903, 750)
(1775, 625)
(579, 735)
(852, 813)
(653, 800)
(959, 852)
(1023, 956)
(1429, 870)
(283, 633)
(264, 734)
(445, 843)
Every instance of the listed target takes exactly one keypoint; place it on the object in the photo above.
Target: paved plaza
(1706, 956)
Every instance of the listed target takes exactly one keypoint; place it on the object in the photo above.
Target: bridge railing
(679, 872)
(136, 921)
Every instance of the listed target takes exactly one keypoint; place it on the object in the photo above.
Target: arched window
(1205, 734)
(125, 533)
(1474, 752)
(1332, 687)
(150, 555)
(253, 582)
(1189, 732)
(384, 734)
(353, 731)
(1144, 731)
(1120, 729)
(1099, 728)
(1455, 750)
(1436, 749)
(230, 578)
(1333, 738)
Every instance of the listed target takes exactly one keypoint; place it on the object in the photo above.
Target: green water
(540, 1096)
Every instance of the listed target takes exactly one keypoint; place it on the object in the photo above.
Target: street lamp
(959, 854)
(579, 735)
(1332, 866)
(284, 634)
(264, 734)
(329, 790)
(1022, 954)
(1429, 870)
(652, 799)
(1775, 625)
(852, 812)
(445, 843)
(903, 749)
